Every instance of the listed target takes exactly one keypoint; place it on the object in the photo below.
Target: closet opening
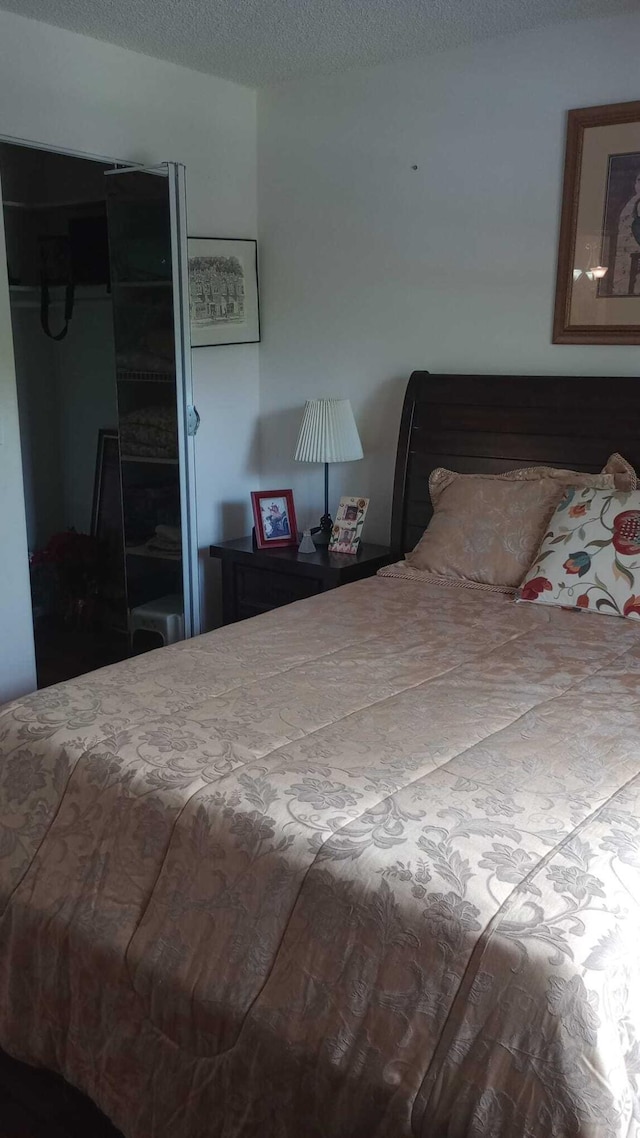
(89, 258)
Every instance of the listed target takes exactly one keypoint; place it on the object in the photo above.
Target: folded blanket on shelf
(167, 539)
(150, 432)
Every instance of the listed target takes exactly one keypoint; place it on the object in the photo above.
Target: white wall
(370, 269)
(76, 93)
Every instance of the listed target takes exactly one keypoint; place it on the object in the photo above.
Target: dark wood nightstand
(256, 580)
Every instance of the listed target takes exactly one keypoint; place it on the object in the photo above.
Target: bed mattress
(367, 866)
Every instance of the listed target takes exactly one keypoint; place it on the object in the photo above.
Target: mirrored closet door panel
(95, 308)
(150, 357)
(57, 268)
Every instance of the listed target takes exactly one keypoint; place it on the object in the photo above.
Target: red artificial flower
(578, 511)
(583, 601)
(626, 532)
(531, 589)
(632, 607)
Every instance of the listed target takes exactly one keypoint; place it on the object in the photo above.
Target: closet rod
(20, 299)
(38, 206)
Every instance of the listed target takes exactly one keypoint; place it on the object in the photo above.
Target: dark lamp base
(322, 534)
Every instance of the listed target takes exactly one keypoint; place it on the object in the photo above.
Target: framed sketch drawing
(598, 282)
(223, 291)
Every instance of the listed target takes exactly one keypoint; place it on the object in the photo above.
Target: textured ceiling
(257, 42)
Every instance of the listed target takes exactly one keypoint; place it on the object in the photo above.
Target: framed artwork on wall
(598, 281)
(223, 291)
(275, 518)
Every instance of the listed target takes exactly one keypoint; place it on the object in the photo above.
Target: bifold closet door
(17, 655)
(147, 246)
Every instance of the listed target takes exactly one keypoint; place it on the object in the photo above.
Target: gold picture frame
(598, 278)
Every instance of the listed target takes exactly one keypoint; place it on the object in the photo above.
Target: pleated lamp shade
(328, 432)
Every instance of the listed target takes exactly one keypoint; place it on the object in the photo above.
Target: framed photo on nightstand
(275, 518)
(347, 527)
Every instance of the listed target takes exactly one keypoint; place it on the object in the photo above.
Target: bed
(381, 881)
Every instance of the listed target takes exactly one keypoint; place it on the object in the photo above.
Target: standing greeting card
(347, 527)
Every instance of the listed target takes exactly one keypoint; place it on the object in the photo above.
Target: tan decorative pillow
(624, 475)
(406, 572)
(488, 550)
(606, 480)
(484, 528)
(617, 474)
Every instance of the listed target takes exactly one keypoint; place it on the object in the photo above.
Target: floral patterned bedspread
(364, 867)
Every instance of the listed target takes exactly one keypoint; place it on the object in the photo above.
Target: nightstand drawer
(259, 590)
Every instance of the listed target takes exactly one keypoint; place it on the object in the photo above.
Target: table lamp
(328, 433)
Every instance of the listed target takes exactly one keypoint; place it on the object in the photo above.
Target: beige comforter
(364, 867)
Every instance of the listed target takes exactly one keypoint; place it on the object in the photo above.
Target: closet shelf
(157, 554)
(143, 284)
(148, 458)
(127, 375)
(28, 296)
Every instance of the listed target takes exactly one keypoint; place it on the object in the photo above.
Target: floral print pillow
(590, 557)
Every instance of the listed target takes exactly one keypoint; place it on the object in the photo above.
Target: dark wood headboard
(491, 423)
